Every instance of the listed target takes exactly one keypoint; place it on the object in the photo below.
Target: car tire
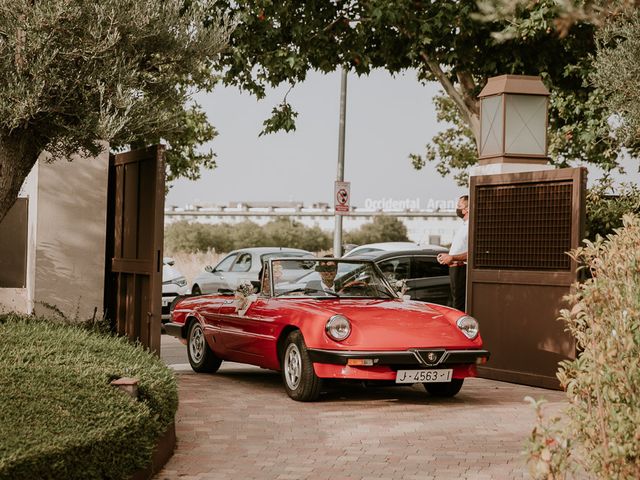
(444, 389)
(195, 290)
(201, 357)
(299, 378)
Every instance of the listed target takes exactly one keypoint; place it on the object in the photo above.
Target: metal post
(337, 234)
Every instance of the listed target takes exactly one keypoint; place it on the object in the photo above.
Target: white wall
(66, 239)
(70, 237)
(14, 300)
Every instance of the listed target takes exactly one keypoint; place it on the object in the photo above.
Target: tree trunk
(18, 154)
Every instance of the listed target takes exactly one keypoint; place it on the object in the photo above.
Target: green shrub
(290, 233)
(282, 232)
(382, 229)
(606, 206)
(601, 432)
(61, 419)
(192, 237)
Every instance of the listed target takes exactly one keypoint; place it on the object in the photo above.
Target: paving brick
(239, 423)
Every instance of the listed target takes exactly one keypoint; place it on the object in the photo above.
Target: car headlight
(469, 326)
(180, 281)
(338, 328)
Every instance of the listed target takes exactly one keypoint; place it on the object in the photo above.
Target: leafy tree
(382, 229)
(287, 232)
(187, 130)
(447, 42)
(194, 237)
(606, 206)
(116, 70)
(613, 74)
(617, 74)
(250, 234)
(199, 237)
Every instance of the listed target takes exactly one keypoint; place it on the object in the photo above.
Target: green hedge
(282, 232)
(60, 417)
(381, 229)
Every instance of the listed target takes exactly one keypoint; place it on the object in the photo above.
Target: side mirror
(208, 269)
(256, 285)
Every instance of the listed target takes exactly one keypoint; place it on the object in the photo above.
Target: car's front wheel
(444, 389)
(300, 380)
(201, 357)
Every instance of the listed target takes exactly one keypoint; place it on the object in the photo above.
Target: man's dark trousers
(458, 280)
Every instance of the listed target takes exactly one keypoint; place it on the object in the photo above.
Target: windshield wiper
(307, 290)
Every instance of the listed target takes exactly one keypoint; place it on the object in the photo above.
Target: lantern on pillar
(513, 120)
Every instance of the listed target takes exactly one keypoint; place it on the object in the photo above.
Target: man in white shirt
(457, 256)
(328, 271)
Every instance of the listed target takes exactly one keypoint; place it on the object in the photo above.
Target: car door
(428, 280)
(251, 337)
(217, 276)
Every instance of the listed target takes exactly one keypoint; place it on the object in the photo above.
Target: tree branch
(468, 86)
(471, 117)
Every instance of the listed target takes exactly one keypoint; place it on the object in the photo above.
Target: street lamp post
(337, 234)
(513, 125)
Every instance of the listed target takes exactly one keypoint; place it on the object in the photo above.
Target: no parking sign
(342, 196)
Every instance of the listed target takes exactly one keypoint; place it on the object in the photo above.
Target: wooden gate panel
(521, 227)
(130, 215)
(145, 231)
(135, 274)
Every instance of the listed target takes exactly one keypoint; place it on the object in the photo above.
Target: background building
(435, 227)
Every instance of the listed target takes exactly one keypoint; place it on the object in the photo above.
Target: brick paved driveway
(240, 424)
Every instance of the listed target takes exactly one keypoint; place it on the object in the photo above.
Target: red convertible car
(338, 319)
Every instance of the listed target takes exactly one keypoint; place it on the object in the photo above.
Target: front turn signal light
(360, 362)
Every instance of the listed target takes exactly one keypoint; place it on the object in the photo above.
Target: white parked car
(390, 247)
(240, 266)
(174, 283)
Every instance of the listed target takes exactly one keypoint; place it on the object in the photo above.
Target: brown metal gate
(133, 284)
(521, 226)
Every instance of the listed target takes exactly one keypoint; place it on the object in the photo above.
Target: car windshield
(326, 278)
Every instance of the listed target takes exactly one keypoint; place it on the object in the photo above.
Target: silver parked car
(173, 284)
(239, 266)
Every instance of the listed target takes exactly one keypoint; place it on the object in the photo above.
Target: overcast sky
(387, 118)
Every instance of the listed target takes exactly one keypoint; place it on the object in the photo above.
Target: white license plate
(424, 376)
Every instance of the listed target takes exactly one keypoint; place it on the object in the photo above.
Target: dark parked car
(426, 279)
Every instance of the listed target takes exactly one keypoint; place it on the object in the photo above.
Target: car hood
(390, 324)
